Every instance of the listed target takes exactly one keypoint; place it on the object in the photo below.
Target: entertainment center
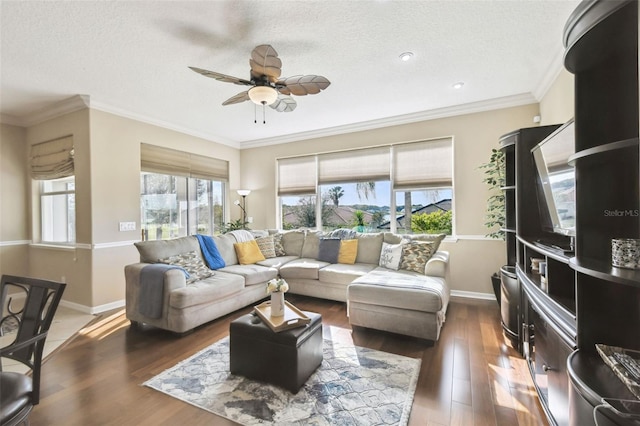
(570, 296)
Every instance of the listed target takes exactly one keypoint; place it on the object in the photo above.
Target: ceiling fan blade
(236, 99)
(222, 77)
(301, 85)
(284, 104)
(264, 61)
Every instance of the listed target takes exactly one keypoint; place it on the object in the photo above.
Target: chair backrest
(34, 317)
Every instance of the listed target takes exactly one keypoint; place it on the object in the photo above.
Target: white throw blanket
(242, 235)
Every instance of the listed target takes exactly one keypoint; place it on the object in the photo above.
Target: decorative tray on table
(293, 317)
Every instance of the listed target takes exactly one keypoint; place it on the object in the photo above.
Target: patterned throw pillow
(277, 244)
(415, 255)
(390, 256)
(267, 246)
(190, 262)
(248, 252)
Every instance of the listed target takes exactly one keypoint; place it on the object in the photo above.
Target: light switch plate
(127, 226)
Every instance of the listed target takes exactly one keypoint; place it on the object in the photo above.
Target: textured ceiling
(131, 58)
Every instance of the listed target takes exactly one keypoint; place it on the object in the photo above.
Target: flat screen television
(556, 180)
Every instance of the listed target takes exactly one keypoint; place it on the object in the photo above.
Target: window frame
(49, 221)
(444, 181)
(189, 223)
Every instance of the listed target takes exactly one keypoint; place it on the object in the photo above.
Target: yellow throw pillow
(348, 251)
(248, 252)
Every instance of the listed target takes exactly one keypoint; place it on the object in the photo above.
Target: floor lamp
(243, 193)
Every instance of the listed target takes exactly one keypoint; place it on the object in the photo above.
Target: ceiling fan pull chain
(264, 120)
(255, 114)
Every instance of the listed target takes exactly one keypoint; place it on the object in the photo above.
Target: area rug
(353, 386)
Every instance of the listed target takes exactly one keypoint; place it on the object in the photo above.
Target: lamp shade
(263, 95)
(243, 192)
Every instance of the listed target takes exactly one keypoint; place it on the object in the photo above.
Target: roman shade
(356, 165)
(52, 159)
(156, 159)
(297, 176)
(423, 164)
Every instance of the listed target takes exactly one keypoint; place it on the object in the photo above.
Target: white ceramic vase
(277, 304)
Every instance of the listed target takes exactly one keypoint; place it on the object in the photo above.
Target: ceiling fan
(267, 88)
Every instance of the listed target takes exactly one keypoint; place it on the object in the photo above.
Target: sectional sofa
(390, 282)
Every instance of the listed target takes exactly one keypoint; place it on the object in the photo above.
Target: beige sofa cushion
(153, 250)
(277, 262)
(400, 289)
(311, 244)
(292, 242)
(253, 274)
(302, 268)
(227, 250)
(369, 247)
(212, 289)
(344, 273)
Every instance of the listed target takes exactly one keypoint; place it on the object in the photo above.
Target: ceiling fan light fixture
(406, 56)
(263, 95)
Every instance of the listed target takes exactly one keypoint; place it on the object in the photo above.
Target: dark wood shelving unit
(584, 300)
(516, 146)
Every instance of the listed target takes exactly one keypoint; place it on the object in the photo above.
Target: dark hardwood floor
(469, 377)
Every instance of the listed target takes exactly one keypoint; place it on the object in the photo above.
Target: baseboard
(92, 309)
(473, 295)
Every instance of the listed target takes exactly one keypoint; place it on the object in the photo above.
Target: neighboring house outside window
(403, 188)
(52, 164)
(180, 193)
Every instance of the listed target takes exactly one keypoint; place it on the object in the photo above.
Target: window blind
(297, 176)
(423, 164)
(52, 159)
(156, 159)
(358, 165)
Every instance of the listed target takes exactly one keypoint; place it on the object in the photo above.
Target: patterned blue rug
(353, 386)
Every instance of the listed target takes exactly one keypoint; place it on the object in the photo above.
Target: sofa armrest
(173, 279)
(437, 265)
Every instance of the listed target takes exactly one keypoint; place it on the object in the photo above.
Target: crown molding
(164, 124)
(470, 108)
(11, 120)
(553, 71)
(78, 102)
(58, 109)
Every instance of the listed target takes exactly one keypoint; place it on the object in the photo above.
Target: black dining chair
(29, 304)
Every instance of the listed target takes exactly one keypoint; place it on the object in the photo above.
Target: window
(176, 206)
(52, 164)
(58, 210)
(363, 206)
(180, 193)
(405, 188)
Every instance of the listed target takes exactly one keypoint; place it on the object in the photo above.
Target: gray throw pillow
(329, 250)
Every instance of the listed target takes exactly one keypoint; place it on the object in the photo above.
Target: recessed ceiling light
(458, 85)
(406, 56)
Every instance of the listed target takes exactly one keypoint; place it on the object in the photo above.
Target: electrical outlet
(250, 219)
(127, 226)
